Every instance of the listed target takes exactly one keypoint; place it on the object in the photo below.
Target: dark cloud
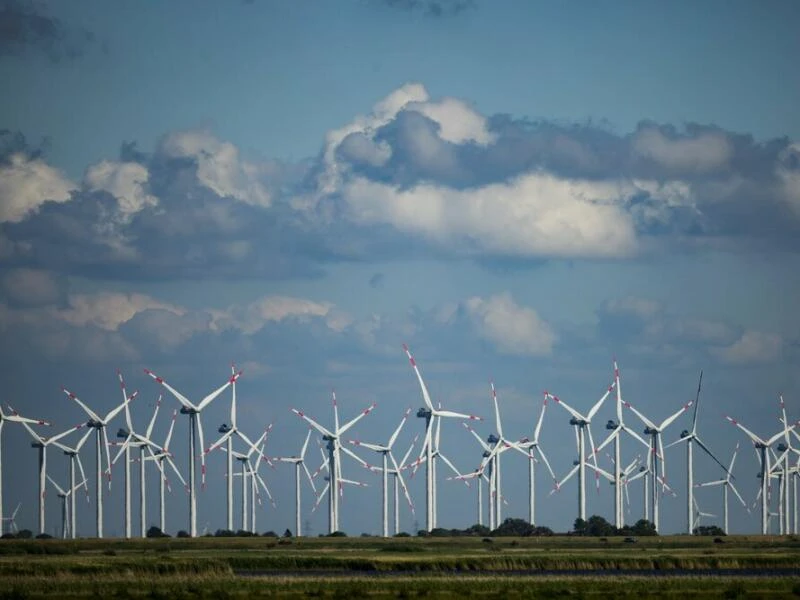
(433, 8)
(25, 27)
(14, 142)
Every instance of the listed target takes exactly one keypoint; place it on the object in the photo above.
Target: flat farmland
(668, 566)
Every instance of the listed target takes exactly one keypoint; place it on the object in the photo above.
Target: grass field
(673, 566)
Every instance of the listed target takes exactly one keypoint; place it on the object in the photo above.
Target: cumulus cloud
(704, 152)
(108, 310)
(219, 167)
(752, 347)
(27, 183)
(512, 328)
(126, 181)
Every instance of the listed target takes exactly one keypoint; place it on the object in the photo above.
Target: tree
(599, 527)
(643, 527)
(580, 527)
(287, 533)
(478, 530)
(708, 530)
(183, 534)
(514, 527)
(155, 532)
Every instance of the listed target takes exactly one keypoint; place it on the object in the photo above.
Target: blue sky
(518, 190)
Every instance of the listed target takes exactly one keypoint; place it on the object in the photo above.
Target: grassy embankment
(372, 567)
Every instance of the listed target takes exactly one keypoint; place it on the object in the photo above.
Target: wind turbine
(334, 448)
(761, 446)
(616, 429)
(64, 497)
(386, 455)
(228, 431)
(698, 514)
(74, 457)
(12, 520)
(195, 424)
(299, 463)
(726, 482)
(164, 455)
(142, 442)
(13, 417)
(430, 414)
(42, 443)
(625, 478)
(656, 452)
(691, 437)
(99, 424)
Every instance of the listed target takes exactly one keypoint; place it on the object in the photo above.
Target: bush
(24, 534)
(708, 530)
(155, 532)
(244, 533)
(402, 534)
(287, 533)
(183, 534)
(337, 534)
(269, 534)
(44, 536)
(224, 533)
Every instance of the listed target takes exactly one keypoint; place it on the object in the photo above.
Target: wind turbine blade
(678, 441)
(374, 447)
(669, 420)
(483, 444)
(565, 479)
(408, 452)
(202, 454)
(599, 403)
(149, 430)
(92, 415)
(175, 469)
(83, 474)
(310, 479)
(425, 395)
(738, 495)
(635, 435)
(450, 413)
(122, 448)
(642, 418)
(210, 398)
(169, 433)
(108, 455)
(399, 476)
(566, 406)
(697, 402)
(55, 485)
(220, 441)
(176, 394)
(128, 421)
(399, 427)
(335, 412)
(312, 422)
(15, 417)
(546, 462)
(452, 466)
(355, 420)
(233, 397)
(782, 433)
(733, 459)
(354, 456)
(305, 444)
(609, 439)
(496, 410)
(707, 451)
(711, 483)
(114, 412)
(539, 422)
(747, 432)
(64, 433)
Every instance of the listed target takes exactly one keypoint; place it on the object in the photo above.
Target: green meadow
(668, 566)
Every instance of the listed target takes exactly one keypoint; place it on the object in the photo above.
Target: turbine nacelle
(611, 424)
(685, 433)
(578, 422)
(224, 428)
(492, 439)
(94, 424)
(424, 413)
(650, 431)
(122, 433)
(185, 410)
(782, 447)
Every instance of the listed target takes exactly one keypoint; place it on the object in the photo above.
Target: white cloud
(751, 347)
(458, 123)
(533, 215)
(25, 184)
(108, 310)
(705, 152)
(219, 167)
(513, 329)
(126, 181)
(789, 176)
(30, 287)
(272, 309)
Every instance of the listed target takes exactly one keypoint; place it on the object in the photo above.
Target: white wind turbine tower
(11, 418)
(64, 496)
(656, 453)
(74, 457)
(99, 424)
(334, 461)
(397, 474)
(228, 432)
(691, 437)
(487, 463)
(582, 425)
(325, 465)
(299, 463)
(430, 414)
(625, 479)
(164, 455)
(616, 429)
(386, 455)
(762, 445)
(143, 443)
(789, 474)
(42, 443)
(726, 482)
(12, 521)
(195, 424)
